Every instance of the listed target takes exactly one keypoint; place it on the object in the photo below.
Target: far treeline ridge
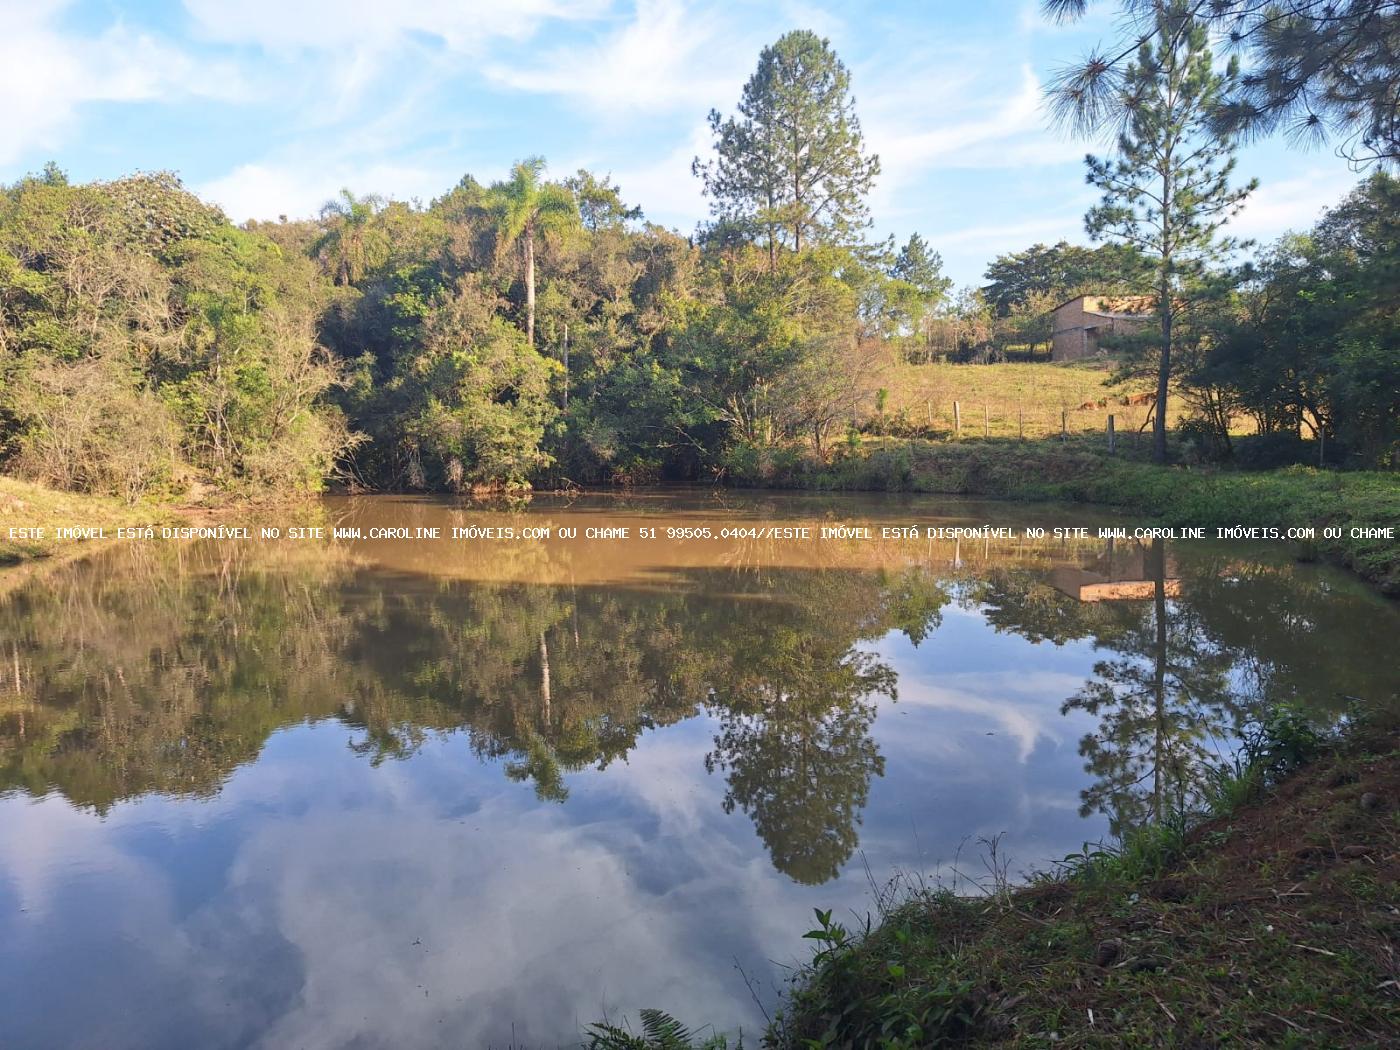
(541, 331)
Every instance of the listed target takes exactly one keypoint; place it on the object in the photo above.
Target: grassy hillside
(1015, 397)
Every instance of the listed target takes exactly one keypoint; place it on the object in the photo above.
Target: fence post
(986, 422)
(1020, 423)
(1112, 436)
(1064, 425)
(957, 420)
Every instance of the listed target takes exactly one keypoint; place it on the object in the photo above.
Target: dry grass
(24, 505)
(1007, 400)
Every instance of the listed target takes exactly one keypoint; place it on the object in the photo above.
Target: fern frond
(664, 1032)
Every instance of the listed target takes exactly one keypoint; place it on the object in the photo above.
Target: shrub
(89, 427)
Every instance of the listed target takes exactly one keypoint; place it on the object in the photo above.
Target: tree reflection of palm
(163, 668)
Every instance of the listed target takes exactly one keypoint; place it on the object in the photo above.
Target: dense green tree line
(1308, 340)
(531, 330)
(146, 344)
(540, 331)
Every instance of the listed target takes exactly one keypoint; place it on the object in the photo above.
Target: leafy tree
(1167, 192)
(1060, 271)
(600, 203)
(485, 395)
(1313, 340)
(921, 269)
(1315, 68)
(524, 206)
(351, 242)
(791, 168)
(915, 289)
(752, 346)
(1029, 324)
(964, 327)
(148, 343)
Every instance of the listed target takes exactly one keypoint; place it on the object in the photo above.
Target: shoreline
(1019, 472)
(1267, 922)
(1176, 496)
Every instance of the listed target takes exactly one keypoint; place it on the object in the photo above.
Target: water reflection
(164, 668)
(1186, 663)
(167, 671)
(1163, 702)
(324, 769)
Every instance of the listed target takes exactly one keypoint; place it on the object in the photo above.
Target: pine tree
(1315, 69)
(1167, 191)
(791, 168)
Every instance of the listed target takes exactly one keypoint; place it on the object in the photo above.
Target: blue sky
(268, 107)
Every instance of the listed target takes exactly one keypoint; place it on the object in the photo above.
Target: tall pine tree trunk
(530, 285)
(1157, 561)
(1164, 306)
(1164, 371)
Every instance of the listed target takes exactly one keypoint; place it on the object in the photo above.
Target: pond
(460, 793)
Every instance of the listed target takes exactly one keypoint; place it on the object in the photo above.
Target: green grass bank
(1080, 471)
(1271, 923)
(1266, 917)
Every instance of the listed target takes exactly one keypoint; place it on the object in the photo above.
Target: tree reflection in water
(1164, 703)
(162, 669)
(1205, 644)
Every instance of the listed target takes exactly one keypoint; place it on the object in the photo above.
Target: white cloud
(1292, 204)
(385, 918)
(1067, 226)
(1012, 701)
(298, 189)
(47, 75)
(797, 14)
(664, 188)
(970, 123)
(334, 25)
(669, 56)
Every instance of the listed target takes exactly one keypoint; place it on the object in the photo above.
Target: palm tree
(350, 237)
(524, 206)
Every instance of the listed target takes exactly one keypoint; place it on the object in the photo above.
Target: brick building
(1081, 322)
